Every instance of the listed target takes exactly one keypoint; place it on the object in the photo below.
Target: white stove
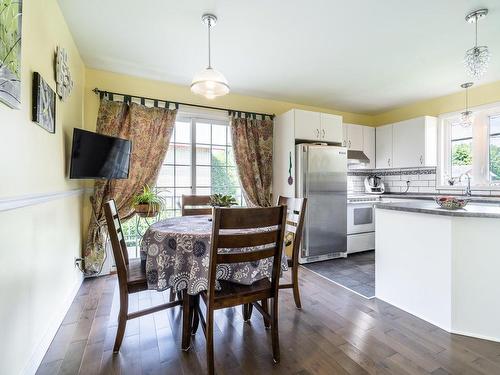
(361, 222)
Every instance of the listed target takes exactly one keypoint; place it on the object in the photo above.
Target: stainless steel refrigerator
(321, 177)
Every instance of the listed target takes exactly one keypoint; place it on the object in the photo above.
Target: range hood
(357, 157)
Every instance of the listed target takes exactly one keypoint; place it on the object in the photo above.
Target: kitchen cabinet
(316, 126)
(415, 142)
(384, 146)
(369, 145)
(353, 136)
(331, 128)
(407, 144)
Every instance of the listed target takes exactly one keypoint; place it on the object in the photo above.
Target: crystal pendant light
(210, 83)
(466, 117)
(477, 58)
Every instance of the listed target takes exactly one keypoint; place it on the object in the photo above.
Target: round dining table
(176, 254)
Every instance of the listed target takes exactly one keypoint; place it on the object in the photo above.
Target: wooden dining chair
(195, 205)
(294, 224)
(132, 278)
(273, 219)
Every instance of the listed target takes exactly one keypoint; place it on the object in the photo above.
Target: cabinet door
(369, 145)
(384, 147)
(307, 125)
(354, 137)
(409, 143)
(331, 128)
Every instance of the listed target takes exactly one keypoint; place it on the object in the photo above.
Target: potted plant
(148, 203)
(221, 200)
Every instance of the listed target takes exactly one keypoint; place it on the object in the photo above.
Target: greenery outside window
(472, 151)
(199, 160)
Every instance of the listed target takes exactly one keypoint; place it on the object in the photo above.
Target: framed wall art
(10, 52)
(44, 104)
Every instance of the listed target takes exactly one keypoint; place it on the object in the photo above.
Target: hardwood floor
(336, 332)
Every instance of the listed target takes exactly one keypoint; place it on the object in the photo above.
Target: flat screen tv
(99, 156)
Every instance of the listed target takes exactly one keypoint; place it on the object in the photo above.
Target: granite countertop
(490, 210)
(426, 196)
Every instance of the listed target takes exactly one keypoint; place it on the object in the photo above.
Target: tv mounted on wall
(99, 156)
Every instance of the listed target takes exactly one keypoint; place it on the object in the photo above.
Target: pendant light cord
(209, 23)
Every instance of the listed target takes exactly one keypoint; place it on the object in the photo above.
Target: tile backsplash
(422, 180)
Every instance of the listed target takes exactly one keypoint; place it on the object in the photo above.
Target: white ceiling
(364, 56)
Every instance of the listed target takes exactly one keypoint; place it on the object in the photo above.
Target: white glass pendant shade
(210, 83)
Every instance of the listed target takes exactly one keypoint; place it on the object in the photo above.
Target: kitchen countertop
(471, 210)
(426, 196)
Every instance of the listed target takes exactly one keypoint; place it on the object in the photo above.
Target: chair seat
(246, 293)
(136, 280)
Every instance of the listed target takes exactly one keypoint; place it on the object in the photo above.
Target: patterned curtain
(149, 129)
(253, 151)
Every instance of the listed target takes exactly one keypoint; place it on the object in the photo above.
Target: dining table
(176, 254)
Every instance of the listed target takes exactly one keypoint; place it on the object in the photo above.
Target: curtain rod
(110, 94)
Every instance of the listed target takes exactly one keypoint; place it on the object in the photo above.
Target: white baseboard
(483, 337)
(39, 351)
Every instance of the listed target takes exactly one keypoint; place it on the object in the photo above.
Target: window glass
(461, 150)
(494, 154)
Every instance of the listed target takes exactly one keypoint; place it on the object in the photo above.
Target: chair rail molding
(12, 203)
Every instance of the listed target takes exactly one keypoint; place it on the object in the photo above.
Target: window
(199, 160)
(473, 150)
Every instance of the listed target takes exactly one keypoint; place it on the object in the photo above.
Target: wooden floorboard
(336, 332)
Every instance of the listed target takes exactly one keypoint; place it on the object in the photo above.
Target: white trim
(12, 203)
(334, 282)
(483, 337)
(43, 345)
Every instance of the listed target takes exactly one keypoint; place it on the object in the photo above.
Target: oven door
(360, 218)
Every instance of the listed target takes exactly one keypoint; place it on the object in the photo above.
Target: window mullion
(193, 156)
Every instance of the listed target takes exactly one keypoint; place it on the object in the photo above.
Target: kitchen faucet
(468, 191)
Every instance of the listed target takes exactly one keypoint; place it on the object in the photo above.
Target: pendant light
(477, 58)
(210, 83)
(466, 117)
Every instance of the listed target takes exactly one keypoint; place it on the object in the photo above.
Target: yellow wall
(479, 95)
(38, 242)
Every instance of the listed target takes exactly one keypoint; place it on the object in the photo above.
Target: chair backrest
(196, 205)
(295, 221)
(117, 241)
(250, 227)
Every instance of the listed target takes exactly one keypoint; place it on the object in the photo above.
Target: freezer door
(324, 182)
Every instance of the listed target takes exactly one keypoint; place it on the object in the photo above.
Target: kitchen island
(441, 265)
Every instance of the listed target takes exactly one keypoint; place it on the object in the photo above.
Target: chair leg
(187, 316)
(122, 323)
(247, 311)
(265, 307)
(196, 316)
(274, 331)
(210, 342)
(295, 282)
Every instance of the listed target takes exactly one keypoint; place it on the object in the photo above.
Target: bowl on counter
(451, 203)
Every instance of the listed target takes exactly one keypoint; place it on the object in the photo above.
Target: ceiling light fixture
(477, 58)
(210, 83)
(466, 117)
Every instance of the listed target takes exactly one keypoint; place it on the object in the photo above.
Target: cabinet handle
(389, 162)
(349, 143)
(323, 131)
(421, 160)
(317, 133)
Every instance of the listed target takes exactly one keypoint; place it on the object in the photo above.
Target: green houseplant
(221, 200)
(148, 203)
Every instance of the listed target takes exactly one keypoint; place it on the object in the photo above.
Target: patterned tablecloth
(176, 254)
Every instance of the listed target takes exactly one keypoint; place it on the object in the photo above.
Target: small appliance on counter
(374, 185)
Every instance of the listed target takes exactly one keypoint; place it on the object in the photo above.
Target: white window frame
(480, 149)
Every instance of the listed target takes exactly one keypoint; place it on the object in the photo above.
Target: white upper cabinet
(316, 126)
(369, 145)
(407, 144)
(331, 128)
(384, 147)
(307, 125)
(353, 136)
